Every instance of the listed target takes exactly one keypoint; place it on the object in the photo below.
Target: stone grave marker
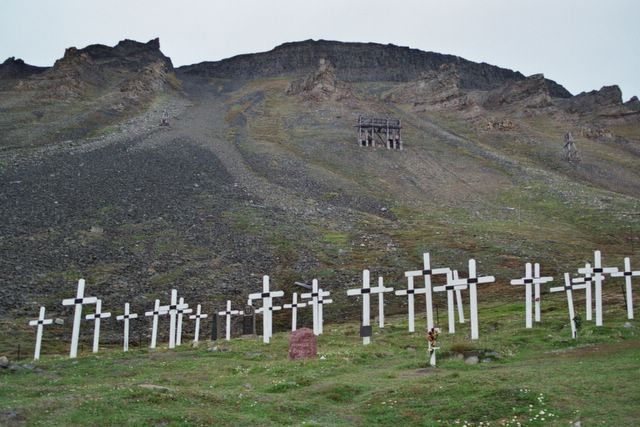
(249, 321)
(303, 344)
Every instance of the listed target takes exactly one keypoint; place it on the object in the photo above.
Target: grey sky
(582, 44)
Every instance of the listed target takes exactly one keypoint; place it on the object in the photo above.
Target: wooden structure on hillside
(386, 131)
(569, 151)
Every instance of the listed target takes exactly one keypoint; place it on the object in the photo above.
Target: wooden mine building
(386, 132)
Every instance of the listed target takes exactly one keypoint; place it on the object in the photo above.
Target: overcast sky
(582, 44)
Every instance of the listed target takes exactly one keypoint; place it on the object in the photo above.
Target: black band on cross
(528, 281)
(449, 287)
(411, 291)
(125, 317)
(426, 272)
(472, 280)
(314, 295)
(365, 290)
(78, 301)
(598, 270)
(628, 273)
(265, 294)
(40, 322)
(173, 307)
(156, 313)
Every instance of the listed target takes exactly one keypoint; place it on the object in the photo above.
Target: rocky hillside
(86, 90)
(259, 172)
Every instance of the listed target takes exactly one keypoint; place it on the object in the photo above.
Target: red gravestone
(302, 344)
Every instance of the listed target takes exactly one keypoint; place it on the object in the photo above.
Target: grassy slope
(542, 378)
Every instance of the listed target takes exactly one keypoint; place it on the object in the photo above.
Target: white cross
(294, 310)
(458, 293)
(199, 315)
(381, 301)
(126, 316)
(569, 286)
(155, 313)
(427, 272)
(267, 303)
(410, 292)
(627, 274)
(96, 328)
(527, 281)
(450, 288)
(365, 291)
(321, 303)
(598, 276)
(182, 310)
(588, 280)
(228, 313)
(172, 309)
(473, 281)
(78, 301)
(316, 295)
(40, 322)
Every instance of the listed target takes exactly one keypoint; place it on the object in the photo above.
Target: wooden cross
(78, 301)
(569, 286)
(154, 329)
(228, 313)
(316, 295)
(410, 292)
(381, 301)
(172, 309)
(598, 273)
(366, 291)
(458, 293)
(199, 315)
(126, 316)
(450, 288)
(588, 280)
(627, 274)
(96, 317)
(267, 302)
(472, 281)
(427, 272)
(40, 322)
(527, 281)
(182, 310)
(321, 303)
(294, 310)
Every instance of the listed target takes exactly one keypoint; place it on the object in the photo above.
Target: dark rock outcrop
(14, 68)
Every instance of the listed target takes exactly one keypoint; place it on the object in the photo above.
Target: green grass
(541, 378)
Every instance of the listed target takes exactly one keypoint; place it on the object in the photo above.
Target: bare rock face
(434, 90)
(607, 98)
(303, 344)
(135, 67)
(320, 85)
(532, 92)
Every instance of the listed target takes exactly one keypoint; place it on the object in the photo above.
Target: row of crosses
(532, 280)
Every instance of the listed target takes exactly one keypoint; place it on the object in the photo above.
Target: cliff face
(14, 68)
(359, 62)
